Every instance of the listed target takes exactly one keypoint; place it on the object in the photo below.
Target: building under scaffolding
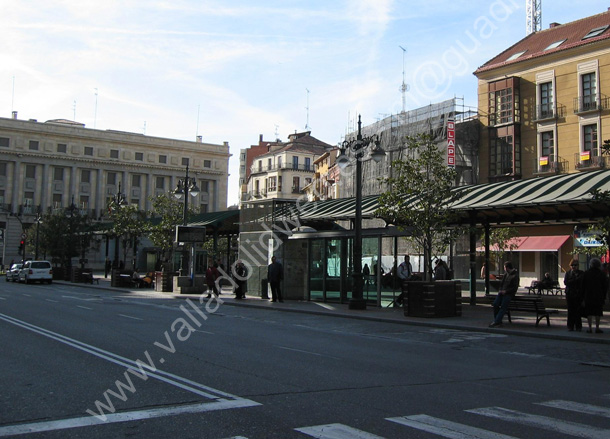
(431, 119)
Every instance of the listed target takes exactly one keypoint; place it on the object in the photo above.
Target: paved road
(68, 370)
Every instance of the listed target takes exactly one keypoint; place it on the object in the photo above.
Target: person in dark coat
(595, 288)
(508, 289)
(211, 274)
(240, 275)
(574, 295)
(275, 274)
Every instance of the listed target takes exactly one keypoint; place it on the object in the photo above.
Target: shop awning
(551, 243)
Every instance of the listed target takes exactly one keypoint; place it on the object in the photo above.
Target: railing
(555, 166)
(593, 161)
(255, 169)
(549, 111)
(585, 104)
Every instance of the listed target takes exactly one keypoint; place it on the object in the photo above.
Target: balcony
(255, 169)
(550, 166)
(588, 104)
(549, 112)
(591, 161)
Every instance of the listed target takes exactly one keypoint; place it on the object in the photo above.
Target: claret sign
(451, 143)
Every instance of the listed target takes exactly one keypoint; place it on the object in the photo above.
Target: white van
(33, 271)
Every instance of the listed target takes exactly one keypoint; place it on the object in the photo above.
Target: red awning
(550, 243)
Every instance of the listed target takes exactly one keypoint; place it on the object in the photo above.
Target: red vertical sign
(451, 143)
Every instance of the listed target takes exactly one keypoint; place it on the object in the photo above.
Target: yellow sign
(544, 161)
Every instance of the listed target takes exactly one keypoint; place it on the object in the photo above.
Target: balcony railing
(551, 166)
(549, 111)
(586, 162)
(255, 169)
(585, 104)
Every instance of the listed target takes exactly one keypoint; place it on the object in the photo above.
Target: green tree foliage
(502, 239)
(128, 223)
(419, 192)
(166, 214)
(63, 235)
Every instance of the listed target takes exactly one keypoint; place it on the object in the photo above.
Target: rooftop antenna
(277, 133)
(307, 108)
(404, 88)
(95, 113)
(533, 16)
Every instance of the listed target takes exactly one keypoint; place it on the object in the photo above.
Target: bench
(532, 304)
(552, 290)
(87, 277)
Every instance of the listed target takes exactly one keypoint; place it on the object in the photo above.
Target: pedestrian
(595, 288)
(404, 272)
(211, 274)
(275, 274)
(483, 270)
(508, 289)
(240, 275)
(546, 283)
(440, 270)
(107, 267)
(574, 296)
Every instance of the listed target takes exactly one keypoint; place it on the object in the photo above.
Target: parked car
(33, 271)
(13, 272)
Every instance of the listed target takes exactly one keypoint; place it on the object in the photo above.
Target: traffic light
(21, 246)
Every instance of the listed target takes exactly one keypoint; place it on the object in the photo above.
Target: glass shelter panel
(316, 283)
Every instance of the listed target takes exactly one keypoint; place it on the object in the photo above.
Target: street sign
(190, 233)
(23, 236)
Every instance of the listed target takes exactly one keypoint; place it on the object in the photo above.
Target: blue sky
(230, 70)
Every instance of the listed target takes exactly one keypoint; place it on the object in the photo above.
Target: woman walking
(574, 295)
(595, 288)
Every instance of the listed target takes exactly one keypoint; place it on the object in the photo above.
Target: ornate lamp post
(359, 146)
(38, 221)
(185, 187)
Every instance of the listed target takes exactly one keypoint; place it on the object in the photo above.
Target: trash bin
(264, 289)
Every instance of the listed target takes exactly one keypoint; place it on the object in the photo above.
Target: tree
(128, 223)
(419, 193)
(64, 235)
(501, 240)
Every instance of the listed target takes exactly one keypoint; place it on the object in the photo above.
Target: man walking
(508, 289)
(275, 274)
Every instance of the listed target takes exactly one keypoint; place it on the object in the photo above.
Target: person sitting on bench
(546, 283)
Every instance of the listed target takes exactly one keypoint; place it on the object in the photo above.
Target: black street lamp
(182, 191)
(359, 146)
(118, 201)
(38, 221)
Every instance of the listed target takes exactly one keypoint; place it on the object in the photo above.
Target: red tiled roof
(534, 44)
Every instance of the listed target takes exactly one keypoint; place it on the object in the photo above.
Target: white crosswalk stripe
(448, 429)
(578, 407)
(336, 431)
(544, 422)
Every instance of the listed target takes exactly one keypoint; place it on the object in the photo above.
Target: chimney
(554, 24)
(14, 115)
(199, 139)
(260, 137)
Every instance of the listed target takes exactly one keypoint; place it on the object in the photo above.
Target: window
(111, 179)
(85, 176)
(185, 161)
(30, 171)
(260, 166)
(554, 45)
(139, 156)
(163, 159)
(590, 139)
(589, 95)
(547, 145)
(4, 142)
(504, 102)
(83, 202)
(207, 163)
(279, 162)
(160, 183)
(204, 186)
(546, 100)
(295, 162)
(307, 164)
(62, 148)
(515, 55)
(505, 152)
(272, 184)
(89, 150)
(58, 174)
(34, 144)
(595, 32)
(296, 185)
(3, 169)
(114, 153)
(28, 202)
(203, 208)
(135, 180)
(57, 201)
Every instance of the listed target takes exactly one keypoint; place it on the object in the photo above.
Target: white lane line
(336, 431)
(544, 422)
(62, 424)
(2, 298)
(306, 352)
(577, 407)
(51, 300)
(130, 317)
(27, 295)
(325, 305)
(84, 307)
(448, 429)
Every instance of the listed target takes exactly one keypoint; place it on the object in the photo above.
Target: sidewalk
(473, 318)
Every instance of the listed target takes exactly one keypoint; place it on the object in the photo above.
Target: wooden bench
(553, 290)
(532, 304)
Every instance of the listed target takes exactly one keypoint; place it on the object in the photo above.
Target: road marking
(307, 352)
(130, 317)
(51, 300)
(326, 306)
(27, 295)
(544, 422)
(577, 407)
(62, 424)
(448, 429)
(336, 431)
(84, 307)
(2, 298)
